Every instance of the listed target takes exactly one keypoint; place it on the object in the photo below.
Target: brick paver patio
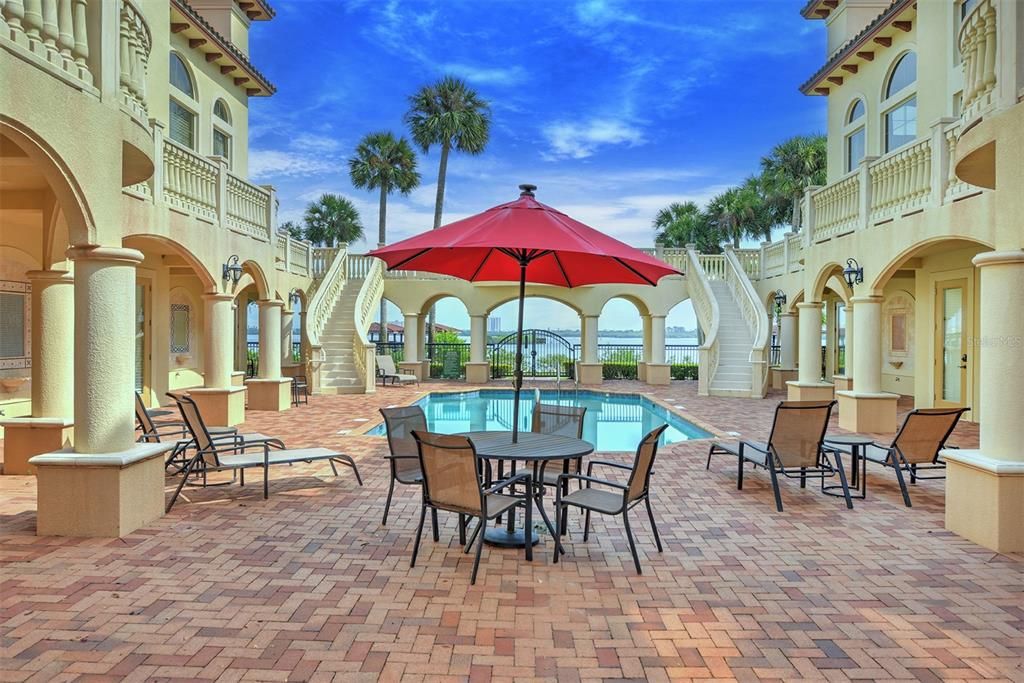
(309, 586)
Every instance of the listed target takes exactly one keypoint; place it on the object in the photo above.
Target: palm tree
(679, 224)
(332, 221)
(792, 166)
(451, 114)
(386, 163)
(292, 229)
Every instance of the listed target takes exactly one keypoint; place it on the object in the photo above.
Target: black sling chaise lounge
(795, 448)
(244, 451)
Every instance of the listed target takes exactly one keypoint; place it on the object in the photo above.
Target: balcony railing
(135, 42)
(835, 207)
(53, 35)
(296, 256)
(978, 49)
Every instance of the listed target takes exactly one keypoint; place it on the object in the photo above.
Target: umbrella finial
(527, 190)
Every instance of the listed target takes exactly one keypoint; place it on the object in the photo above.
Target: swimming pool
(613, 422)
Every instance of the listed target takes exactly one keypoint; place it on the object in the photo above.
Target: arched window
(900, 103)
(855, 135)
(181, 115)
(222, 130)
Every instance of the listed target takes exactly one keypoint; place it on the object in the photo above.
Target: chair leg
(903, 485)
(775, 486)
(528, 526)
(803, 477)
(654, 527)
(387, 504)
(558, 539)
(846, 488)
(419, 532)
(241, 477)
(913, 474)
(433, 520)
(739, 474)
(479, 548)
(347, 460)
(266, 482)
(586, 526)
(462, 529)
(710, 451)
(333, 468)
(472, 538)
(187, 472)
(632, 544)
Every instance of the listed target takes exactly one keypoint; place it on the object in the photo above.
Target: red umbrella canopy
(490, 246)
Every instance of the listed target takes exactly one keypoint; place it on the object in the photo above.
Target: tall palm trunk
(382, 329)
(442, 171)
(795, 218)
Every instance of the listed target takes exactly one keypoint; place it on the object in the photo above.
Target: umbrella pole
(518, 375)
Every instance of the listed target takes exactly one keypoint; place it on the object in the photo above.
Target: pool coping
(714, 432)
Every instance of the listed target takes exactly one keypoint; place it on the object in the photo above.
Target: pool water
(613, 422)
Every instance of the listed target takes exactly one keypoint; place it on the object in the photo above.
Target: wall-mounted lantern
(853, 273)
(232, 271)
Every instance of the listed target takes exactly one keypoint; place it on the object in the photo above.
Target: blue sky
(614, 109)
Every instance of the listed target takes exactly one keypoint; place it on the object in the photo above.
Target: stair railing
(706, 308)
(327, 290)
(756, 318)
(364, 352)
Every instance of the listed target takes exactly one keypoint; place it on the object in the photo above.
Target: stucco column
(218, 340)
(788, 341)
(477, 338)
(53, 343)
(287, 323)
(831, 340)
(104, 347)
(411, 334)
(985, 486)
(590, 338)
(867, 408)
(810, 342)
(657, 339)
(270, 339)
(850, 339)
(221, 403)
(645, 321)
(867, 377)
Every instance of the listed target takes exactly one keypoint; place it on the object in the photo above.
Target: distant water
(572, 339)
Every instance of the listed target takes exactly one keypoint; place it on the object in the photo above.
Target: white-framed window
(222, 130)
(15, 324)
(183, 106)
(899, 103)
(181, 328)
(855, 134)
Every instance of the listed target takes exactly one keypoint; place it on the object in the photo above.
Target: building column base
(105, 495)
(414, 367)
(238, 378)
(842, 383)
(861, 412)
(810, 391)
(270, 394)
(641, 371)
(220, 407)
(782, 376)
(658, 373)
(29, 436)
(590, 373)
(478, 373)
(985, 499)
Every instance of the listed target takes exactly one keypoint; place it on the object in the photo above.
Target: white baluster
(81, 32)
(14, 13)
(33, 20)
(66, 29)
(48, 11)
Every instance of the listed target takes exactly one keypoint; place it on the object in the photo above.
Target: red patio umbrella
(527, 241)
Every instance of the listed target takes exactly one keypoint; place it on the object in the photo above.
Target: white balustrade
(774, 259)
(713, 265)
(320, 260)
(978, 49)
(901, 180)
(135, 44)
(248, 208)
(754, 315)
(836, 208)
(190, 181)
(325, 293)
(706, 308)
(55, 33)
(299, 253)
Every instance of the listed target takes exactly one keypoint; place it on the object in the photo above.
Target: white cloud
(578, 140)
(311, 142)
(484, 75)
(264, 163)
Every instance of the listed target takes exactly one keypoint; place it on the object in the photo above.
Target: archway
(683, 337)
(623, 337)
(448, 349)
(551, 350)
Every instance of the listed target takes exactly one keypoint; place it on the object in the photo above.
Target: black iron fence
(775, 355)
(252, 356)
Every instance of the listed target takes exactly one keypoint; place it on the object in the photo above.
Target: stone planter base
(478, 373)
(859, 412)
(810, 391)
(782, 376)
(25, 437)
(270, 394)
(220, 407)
(414, 368)
(102, 494)
(641, 371)
(985, 499)
(842, 383)
(658, 373)
(590, 373)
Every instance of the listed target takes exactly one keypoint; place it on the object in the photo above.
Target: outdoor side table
(535, 449)
(858, 443)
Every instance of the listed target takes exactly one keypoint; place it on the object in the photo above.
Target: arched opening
(623, 338)
(448, 351)
(683, 337)
(930, 301)
(552, 345)
(899, 103)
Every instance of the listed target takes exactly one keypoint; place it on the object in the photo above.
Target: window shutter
(12, 323)
(182, 125)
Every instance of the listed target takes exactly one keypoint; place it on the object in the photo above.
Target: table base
(858, 481)
(503, 538)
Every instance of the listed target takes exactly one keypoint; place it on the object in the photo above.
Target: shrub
(684, 371)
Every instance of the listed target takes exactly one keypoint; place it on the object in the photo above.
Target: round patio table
(535, 449)
(858, 443)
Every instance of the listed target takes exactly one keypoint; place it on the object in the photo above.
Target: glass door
(951, 343)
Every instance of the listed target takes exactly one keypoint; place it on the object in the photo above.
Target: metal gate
(545, 354)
